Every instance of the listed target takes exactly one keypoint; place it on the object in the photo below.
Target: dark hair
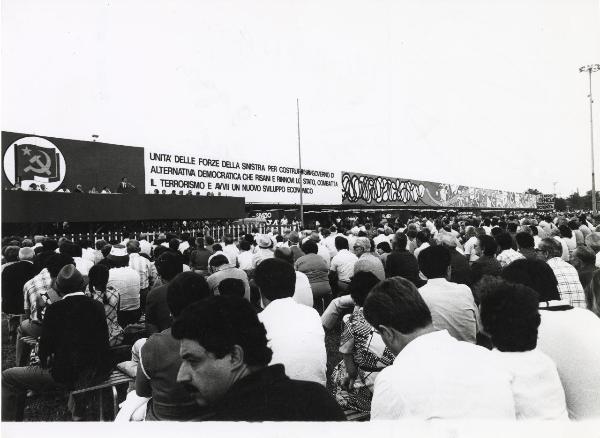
(552, 246)
(384, 246)
(510, 315)
(360, 286)
(534, 230)
(400, 241)
(524, 240)
(232, 286)
(228, 239)
(422, 236)
(217, 247)
(106, 249)
(70, 249)
(174, 244)
(434, 261)
(245, 245)
(284, 253)
(504, 240)
(565, 231)
(11, 253)
(310, 247)
(186, 288)
(219, 260)
(209, 240)
(100, 244)
(98, 278)
(396, 303)
(56, 262)
(488, 244)
(512, 227)
(536, 274)
(168, 265)
(585, 254)
(49, 244)
(341, 243)
(221, 322)
(275, 278)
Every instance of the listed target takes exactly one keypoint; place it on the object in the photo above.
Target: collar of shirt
(438, 282)
(73, 294)
(553, 303)
(427, 341)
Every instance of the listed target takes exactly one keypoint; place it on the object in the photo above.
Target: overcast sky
(481, 93)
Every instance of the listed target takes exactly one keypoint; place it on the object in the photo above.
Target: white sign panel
(258, 182)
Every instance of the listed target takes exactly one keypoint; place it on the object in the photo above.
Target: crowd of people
(447, 318)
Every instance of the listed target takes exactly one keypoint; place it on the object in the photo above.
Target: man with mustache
(225, 365)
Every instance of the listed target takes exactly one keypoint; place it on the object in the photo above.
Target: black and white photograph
(276, 217)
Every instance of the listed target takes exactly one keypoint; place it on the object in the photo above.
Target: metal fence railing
(217, 232)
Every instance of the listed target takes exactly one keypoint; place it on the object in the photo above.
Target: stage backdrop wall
(80, 162)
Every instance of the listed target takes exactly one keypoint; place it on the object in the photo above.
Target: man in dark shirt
(400, 262)
(73, 348)
(225, 365)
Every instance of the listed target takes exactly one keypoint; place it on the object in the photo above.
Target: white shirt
(343, 263)
(127, 283)
(437, 377)
(452, 308)
(83, 265)
(183, 246)
(536, 387)
(244, 260)
(303, 292)
(572, 340)
(231, 251)
(296, 336)
(329, 242)
(324, 253)
(421, 248)
(145, 247)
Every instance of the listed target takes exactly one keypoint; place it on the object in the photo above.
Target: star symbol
(26, 151)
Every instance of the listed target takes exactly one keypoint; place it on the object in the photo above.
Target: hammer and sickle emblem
(43, 168)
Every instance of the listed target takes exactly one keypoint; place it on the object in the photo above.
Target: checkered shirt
(144, 268)
(508, 256)
(569, 285)
(35, 295)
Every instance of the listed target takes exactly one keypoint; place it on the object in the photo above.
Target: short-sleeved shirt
(343, 263)
(569, 285)
(126, 282)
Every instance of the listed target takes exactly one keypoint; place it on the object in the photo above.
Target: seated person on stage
(225, 366)
(365, 354)
(158, 315)
(294, 330)
(434, 376)
(38, 293)
(73, 349)
(126, 282)
(98, 290)
(159, 359)
(509, 313)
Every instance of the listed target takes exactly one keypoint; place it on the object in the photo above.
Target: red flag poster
(36, 161)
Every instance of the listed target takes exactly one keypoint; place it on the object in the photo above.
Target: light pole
(591, 69)
(300, 164)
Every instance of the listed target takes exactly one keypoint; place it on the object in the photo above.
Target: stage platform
(38, 207)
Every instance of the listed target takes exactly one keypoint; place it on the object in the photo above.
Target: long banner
(57, 163)
(258, 182)
(361, 189)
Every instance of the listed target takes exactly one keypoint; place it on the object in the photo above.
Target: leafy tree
(560, 204)
(531, 191)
